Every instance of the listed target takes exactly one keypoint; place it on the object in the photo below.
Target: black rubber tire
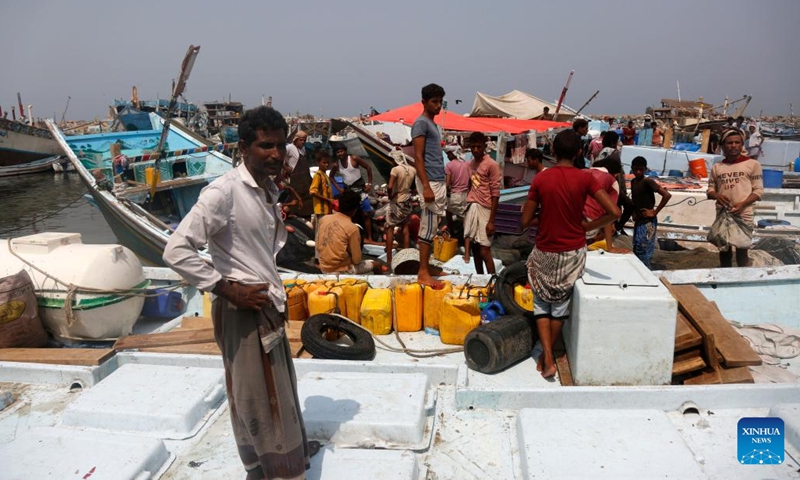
(363, 347)
(516, 274)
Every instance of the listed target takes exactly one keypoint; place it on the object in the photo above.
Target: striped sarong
(553, 274)
(644, 240)
(262, 390)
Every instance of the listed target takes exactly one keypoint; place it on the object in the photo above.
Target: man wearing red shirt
(558, 259)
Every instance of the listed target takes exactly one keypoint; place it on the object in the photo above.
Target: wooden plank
(688, 365)
(710, 352)
(706, 377)
(688, 362)
(178, 337)
(736, 375)
(208, 348)
(735, 350)
(686, 336)
(196, 323)
(57, 356)
(562, 364)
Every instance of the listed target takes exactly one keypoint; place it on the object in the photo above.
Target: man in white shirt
(239, 218)
(294, 151)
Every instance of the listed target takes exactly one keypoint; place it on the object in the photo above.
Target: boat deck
(393, 417)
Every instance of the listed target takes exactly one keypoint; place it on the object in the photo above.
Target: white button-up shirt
(243, 231)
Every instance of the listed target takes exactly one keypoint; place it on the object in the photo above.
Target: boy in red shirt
(484, 194)
(558, 259)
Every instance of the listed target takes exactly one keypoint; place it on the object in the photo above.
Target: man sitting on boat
(339, 240)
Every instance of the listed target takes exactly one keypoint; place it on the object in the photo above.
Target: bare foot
(426, 280)
(540, 363)
(435, 271)
(549, 371)
(466, 258)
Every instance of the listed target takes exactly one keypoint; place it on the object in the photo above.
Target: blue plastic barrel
(165, 305)
(773, 178)
(675, 173)
(796, 167)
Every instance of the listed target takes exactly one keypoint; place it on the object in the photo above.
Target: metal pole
(563, 94)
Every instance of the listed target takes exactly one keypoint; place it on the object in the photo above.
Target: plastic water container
(376, 311)
(492, 312)
(460, 315)
(773, 178)
(167, 305)
(444, 247)
(207, 304)
(433, 301)
(523, 295)
(353, 291)
(296, 303)
(481, 293)
(319, 301)
(408, 299)
(796, 166)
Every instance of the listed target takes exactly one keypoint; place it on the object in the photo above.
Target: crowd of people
(239, 216)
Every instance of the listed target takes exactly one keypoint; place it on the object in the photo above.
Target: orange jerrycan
(296, 303)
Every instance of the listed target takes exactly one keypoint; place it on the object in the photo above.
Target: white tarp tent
(515, 104)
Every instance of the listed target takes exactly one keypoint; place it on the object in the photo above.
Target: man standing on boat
(349, 167)
(735, 184)
(239, 218)
(298, 171)
(431, 184)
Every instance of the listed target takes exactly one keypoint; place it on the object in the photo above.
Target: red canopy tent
(456, 122)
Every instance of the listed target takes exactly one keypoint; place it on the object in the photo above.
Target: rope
(44, 217)
(73, 289)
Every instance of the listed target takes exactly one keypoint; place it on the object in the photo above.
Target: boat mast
(587, 103)
(180, 86)
(563, 94)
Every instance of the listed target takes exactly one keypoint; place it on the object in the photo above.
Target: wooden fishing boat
(25, 148)
(142, 220)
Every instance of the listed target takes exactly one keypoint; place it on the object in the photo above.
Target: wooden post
(668, 138)
(706, 139)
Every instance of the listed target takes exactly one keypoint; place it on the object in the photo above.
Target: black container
(497, 345)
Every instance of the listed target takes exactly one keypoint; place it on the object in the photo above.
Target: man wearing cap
(736, 183)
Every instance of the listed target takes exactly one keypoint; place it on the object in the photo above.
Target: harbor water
(50, 202)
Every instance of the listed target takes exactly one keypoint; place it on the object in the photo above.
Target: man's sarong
(644, 240)
(262, 390)
(553, 274)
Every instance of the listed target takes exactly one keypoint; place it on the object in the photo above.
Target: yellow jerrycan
(408, 304)
(353, 291)
(319, 301)
(523, 295)
(460, 315)
(433, 301)
(296, 303)
(376, 311)
(444, 247)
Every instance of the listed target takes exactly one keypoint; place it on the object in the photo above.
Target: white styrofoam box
(608, 444)
(337, 463)
(790, 414)
(67, 453)
(154, 400)
(622, 326)
(365, 409)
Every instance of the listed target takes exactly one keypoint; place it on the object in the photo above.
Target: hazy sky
(339, 58)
